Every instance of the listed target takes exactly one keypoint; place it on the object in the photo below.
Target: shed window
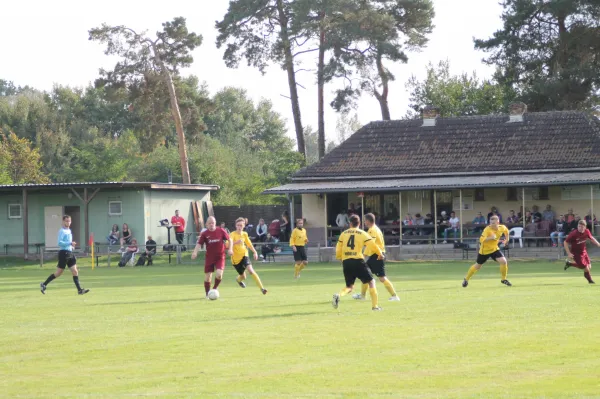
(115, 208)
(14, 211)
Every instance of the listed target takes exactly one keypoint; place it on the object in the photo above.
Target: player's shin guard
(588, 277)
(296, 270)
(390, 287)
(504, 271)
(471, 272)
(217, 282)
(374, 297)
(257, 280)
(49, 279)
(345, 291)
(76, 281)
(240, 278)
(206, 287)
(363, 290)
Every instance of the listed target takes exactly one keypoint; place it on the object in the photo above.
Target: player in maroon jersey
(214, 262)
(577, 252)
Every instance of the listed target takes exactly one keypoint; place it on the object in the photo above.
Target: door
(75, 213)
(335, 203)
(444, 202)
(52, 224)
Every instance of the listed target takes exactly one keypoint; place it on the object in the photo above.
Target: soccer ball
(213, 295)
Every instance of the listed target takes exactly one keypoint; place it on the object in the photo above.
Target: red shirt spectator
(275, 228)
(178, 222)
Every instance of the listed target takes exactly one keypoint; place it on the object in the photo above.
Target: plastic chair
(516, 233)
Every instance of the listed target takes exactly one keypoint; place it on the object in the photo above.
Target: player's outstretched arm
(338, 249)
(196, 249)
(567, 249)
(249, 245)
(230, 250)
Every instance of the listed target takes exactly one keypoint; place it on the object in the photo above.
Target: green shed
(33, 212)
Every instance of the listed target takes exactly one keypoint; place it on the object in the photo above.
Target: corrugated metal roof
(160, 186)
(427, 183)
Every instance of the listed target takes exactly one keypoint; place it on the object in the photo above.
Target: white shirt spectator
(454, 222)
(342, 220)
(261, 230)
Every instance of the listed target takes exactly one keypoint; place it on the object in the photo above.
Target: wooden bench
(102, 249)
(38, 247)
(285, 249)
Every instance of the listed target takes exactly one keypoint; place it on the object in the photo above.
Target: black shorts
(377, 266)
(481, 259)
(66, 258)
(241, 267)
(356, 269)
(300, 254)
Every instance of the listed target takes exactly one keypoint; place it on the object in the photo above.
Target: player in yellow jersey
(349, 250)
(240, 260)
(298, 241)
(376, 265)
(489, 248)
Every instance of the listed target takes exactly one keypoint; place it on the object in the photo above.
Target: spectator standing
(559, 232)
(494, 211)
(454, 226)
(261, 231)
(285, 226)
(179, 224)
(570, 216)
(548, 215)
(113, 236)
(342, 220)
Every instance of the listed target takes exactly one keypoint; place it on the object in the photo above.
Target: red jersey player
(577, 252)
(214, 238)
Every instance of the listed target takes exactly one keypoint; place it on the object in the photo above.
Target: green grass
(147, 332)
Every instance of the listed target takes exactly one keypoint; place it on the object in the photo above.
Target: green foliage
(20, 162)
(548, 52)
(456, 95)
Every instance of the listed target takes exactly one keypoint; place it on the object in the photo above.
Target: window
(115, 208)
(14, 211)
(479, 194)
(511, 194)
(543, 193)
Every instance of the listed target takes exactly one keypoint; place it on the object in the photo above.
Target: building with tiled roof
(465, 164)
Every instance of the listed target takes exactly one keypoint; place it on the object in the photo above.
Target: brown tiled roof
(549, 140)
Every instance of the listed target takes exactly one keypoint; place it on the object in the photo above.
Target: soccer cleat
(567, 264)
(359, 297)
(43, 288)
(377, 308)
(241, 284)
(394, 298)
(264, 291)
(465, 283)
(83, 291)
(207, 298)
(506, 282)
(591, 282)
(335, 301)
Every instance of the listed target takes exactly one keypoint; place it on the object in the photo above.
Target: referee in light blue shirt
(66, 258)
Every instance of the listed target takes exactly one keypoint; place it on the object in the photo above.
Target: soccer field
(148, 332)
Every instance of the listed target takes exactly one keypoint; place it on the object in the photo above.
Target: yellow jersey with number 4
(491, 246)
(351, 242)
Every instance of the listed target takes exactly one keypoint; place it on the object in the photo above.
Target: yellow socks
(240, 278)
(345, 291)
(257, 280)
(504, 271)
(296, 270)
(471, 272)
(302, 266)
(388, 286)
(374, 297)
(363, 290)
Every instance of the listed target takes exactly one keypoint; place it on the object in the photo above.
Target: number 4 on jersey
(350, 243)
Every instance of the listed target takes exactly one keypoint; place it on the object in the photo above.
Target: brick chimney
(516, 112)
(430, 114)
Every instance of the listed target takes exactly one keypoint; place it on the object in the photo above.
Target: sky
(46, 43)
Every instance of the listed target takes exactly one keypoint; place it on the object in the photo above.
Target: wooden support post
(435, 225)
(592, 207)
(86, 216)
(523, 205)
(25, 225)
(461, 215)
(326, 222)
(400, 215)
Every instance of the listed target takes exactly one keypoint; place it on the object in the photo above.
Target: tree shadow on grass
(147, 302)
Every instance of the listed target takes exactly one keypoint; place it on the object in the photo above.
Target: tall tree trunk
(383, 96)
(321, 89)
(289, 67)
(183, 157)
